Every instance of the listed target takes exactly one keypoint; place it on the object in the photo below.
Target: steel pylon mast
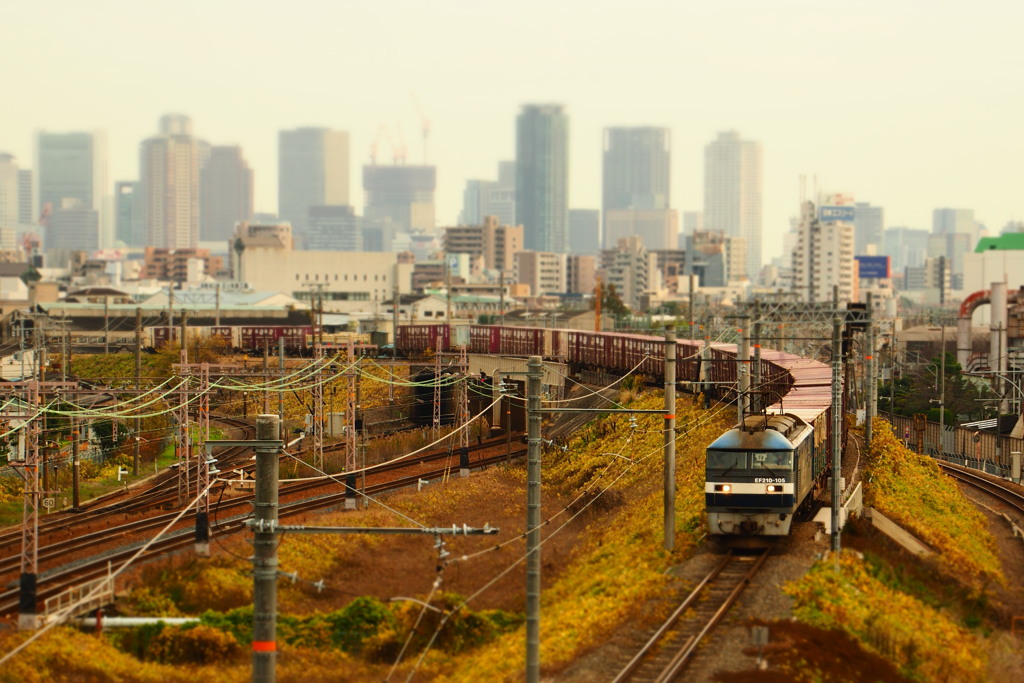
(351, 438)
(462, 411)
(317, 427)
(437, 392)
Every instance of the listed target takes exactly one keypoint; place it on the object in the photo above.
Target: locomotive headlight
(774, 489)
(724, 488)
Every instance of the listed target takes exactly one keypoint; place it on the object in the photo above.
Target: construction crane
(382, 132)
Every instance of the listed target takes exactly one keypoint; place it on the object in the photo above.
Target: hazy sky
(908, 105)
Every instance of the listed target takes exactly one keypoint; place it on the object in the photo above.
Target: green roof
(1011, 241)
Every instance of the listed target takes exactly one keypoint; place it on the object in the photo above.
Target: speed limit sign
(47, 503)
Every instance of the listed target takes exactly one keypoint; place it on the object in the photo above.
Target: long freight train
(758, 473)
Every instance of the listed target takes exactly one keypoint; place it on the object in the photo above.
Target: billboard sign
(873, 267)
(836, 214)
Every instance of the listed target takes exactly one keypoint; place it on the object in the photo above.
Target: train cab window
(727, 460)
(773, 460)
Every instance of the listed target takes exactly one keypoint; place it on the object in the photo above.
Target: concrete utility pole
(351, 435)
(534, 378)
(280, 367)
(106, 324)
(534, 375)
(837, 426)
(265, 524)
(872, 372)
(743, 374)
(264, 561)
(757, 403)
(138, 384)
(462, 411)
(670, 438)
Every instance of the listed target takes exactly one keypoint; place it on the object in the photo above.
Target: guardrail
(978, 450)
(81, 599)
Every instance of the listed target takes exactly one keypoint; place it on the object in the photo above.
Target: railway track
(227, 517)
(665, 655)
(993, 488)
(162, 490)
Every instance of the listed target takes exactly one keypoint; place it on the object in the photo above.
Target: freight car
(758, 473)
(612, 352)
(243, 338)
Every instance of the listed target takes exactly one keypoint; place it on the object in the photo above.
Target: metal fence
(984, 451)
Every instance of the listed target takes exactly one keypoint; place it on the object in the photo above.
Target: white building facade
(349, 281)
(733, 192)
(823, 256)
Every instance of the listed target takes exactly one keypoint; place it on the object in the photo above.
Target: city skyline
(766, 71)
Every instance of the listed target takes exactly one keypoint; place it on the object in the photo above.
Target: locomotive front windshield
(732, 461)
(772, 460)
(727, 460)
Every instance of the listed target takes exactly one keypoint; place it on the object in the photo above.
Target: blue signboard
(873, 267)
(835, 214)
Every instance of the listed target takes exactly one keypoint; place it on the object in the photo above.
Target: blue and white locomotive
(760, 473)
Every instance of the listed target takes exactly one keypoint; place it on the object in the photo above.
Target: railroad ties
(666, 654)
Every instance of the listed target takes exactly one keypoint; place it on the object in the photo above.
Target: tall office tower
(823, 257)
(9, 195)
(906, 247)
(732, 192)
(947, 221)
(658, 228)
(73, 166)
(169, 171)
(483, 198)
(542, 176)
(584, 231)
(312, 170)
(129, 210)
(72, 226)
(869, 226)
(334, 228)
(399, 199)
(26, 195)
(637, 173)
(225, 193)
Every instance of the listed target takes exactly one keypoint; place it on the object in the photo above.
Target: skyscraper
(399, 199)
(313, 170)
(869, 225)
(225, 193)
(169, 171)
(542, 176)
(637, 169)
(129, 210)
(732, 192)
(72, 227)
(584, 231)
(483, 198)
(946, 221)
(9, 196)
(26, 194)
(73, 166)
(823, 257)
